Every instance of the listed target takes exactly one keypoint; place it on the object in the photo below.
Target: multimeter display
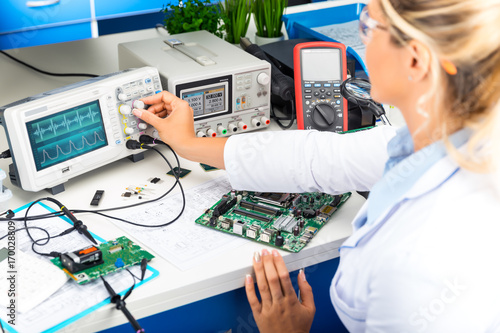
(321, 64)
(66, 134)
(206, 101)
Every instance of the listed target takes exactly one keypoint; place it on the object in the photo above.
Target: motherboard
(288, 221)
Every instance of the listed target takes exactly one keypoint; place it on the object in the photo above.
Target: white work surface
(173, 287)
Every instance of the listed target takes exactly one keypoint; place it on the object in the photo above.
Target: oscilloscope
(63, 133)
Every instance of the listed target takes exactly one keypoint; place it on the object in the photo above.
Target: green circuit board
(287, 221)
(116, 255)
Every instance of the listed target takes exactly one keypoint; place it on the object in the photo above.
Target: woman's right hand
(173, 119)
(171, 116)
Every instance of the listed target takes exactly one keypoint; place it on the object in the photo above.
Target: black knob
(323, 115)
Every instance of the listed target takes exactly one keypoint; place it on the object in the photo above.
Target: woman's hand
(279, 309)
(173, 119)
(171, 116)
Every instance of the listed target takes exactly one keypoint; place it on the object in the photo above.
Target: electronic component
(277, 199)
(253, 231)
(245, 214)
(90, 263)
(239, 227)
(155, 180)
(79, 260)
(252, 215)
(63, 133)
(97, 197)
(180, 172)
(207, 167)
(285, 222)
(226, 224)
(227, 88)
(259, 208)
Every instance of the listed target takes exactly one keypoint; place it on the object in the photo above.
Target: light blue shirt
(403, 169)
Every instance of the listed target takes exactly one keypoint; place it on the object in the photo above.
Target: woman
(424, 252)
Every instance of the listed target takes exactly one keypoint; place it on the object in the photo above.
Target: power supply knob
(142, 126)
(136, 104)
(256, 122)
(211, 133)
(129, 130)
(200, 134)
(263, 79)
(122, 97)
(125, 109)
(242, 126)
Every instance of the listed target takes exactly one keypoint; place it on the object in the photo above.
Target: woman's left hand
(279, 309)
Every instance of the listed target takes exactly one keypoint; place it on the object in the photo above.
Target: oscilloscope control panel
(63, 133)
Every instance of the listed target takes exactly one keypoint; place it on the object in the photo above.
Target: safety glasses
(367, 24)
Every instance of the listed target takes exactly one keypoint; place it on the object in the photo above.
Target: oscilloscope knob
(125, 109)
(263, 79)
(136, 104)
(129, 130)
(142, 126)
(122, 97)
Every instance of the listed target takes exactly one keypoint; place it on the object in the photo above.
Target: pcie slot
(259, 208)
(251, 215)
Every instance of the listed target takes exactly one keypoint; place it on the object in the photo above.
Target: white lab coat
(430, 263)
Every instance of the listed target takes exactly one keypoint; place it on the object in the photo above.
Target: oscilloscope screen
(66, 134)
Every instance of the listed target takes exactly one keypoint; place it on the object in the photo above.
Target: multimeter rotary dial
(323, 114)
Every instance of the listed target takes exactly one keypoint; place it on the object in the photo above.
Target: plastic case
(300, 21)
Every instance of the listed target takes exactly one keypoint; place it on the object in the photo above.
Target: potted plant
(236, 15)
(193, 15)
(267, 17)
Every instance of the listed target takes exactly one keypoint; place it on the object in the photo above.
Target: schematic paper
(347, 34)
(183, 243)
(71, 301)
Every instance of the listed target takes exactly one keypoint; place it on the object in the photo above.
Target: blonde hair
(466, 33)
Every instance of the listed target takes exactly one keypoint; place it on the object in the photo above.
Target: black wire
(60, 213)
(45, 72)
(177, 182)
(291, 108)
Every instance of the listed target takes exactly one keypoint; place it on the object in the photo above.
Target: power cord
(45, 72)
(291, 110)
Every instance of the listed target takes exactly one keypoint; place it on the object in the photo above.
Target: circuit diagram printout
(183, 243)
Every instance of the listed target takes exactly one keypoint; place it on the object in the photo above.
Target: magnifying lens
(357, 91)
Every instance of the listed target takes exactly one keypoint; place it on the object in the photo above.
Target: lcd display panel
(321, 64)
(66, 134)
(206, 101)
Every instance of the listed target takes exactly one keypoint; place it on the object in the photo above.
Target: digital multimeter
(319, 70)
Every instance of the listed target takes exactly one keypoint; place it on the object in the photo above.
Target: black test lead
(120, 305)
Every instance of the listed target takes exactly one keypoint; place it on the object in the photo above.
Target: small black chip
(207, 167)
(179, 171)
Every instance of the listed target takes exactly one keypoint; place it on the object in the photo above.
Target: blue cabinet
(35, 22)
(105, 9)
